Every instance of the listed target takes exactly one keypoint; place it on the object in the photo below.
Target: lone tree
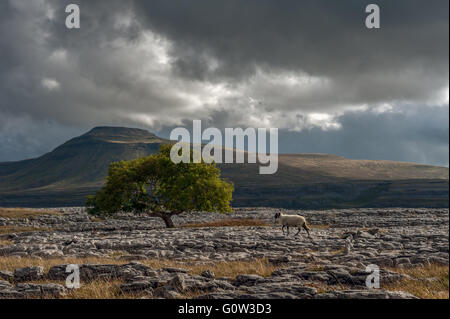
(156, 186)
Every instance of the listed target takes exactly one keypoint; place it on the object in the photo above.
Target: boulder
(207, 274)
(28, 273)
(6, 275)
(248, 280)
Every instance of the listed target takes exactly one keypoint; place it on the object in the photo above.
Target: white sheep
(294, 221)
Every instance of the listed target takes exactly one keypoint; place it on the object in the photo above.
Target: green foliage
(156, 185)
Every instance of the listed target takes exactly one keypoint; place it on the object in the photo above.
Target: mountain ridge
(78, 167)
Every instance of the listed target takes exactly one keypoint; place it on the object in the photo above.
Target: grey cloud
(410, 133)
(229, 63)
(323, 38)
(413, 135)
(22, 137)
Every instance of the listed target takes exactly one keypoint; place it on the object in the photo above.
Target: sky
(309, 68)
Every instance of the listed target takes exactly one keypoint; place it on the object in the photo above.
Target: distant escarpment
(65, 176)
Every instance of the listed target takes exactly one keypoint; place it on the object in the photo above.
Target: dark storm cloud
(310, 68)
(38, 47)
(322, 38)
(24, 137)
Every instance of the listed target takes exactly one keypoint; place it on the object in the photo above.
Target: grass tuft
(21, 229)
(427, 282)
(230, 269)
(316, 268)
(25, 212)
(338, 251)
(101, 289)
(5, 242)
(319, 226)
(109, 289)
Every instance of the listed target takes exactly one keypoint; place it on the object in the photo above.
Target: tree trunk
(168, 220)
(166, 217)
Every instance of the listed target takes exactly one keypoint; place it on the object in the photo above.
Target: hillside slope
(80, 162)
(78, 168)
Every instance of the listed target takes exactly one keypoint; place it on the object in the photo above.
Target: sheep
(293, 220)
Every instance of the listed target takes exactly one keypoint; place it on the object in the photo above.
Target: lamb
(294, 221)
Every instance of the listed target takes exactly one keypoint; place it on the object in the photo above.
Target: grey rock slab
(365, 294)
(248, 280)
(27, 290)
(4, 285)
(6, 275)
(177, 283)
(174, 270)
(28, 273)
(384, 237)
(139, 286)
(207, 274)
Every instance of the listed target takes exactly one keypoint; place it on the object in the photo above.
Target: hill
(65, 176)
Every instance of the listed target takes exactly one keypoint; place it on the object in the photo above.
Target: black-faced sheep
(293, 221)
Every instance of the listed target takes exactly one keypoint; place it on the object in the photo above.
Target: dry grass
(25, 212)
(316, 268)
(231, 269)
(5, 242)
(261, 267)
(428, 282)
(95, 289)
(230, 222)
(105, 289)
(100, 289)
(109, 289)
(420, 285)
(11, 263)
(20, 229)
(338, 251)
(118, 253)
(319, 226)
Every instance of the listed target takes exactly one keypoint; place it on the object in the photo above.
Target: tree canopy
(156, 186)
